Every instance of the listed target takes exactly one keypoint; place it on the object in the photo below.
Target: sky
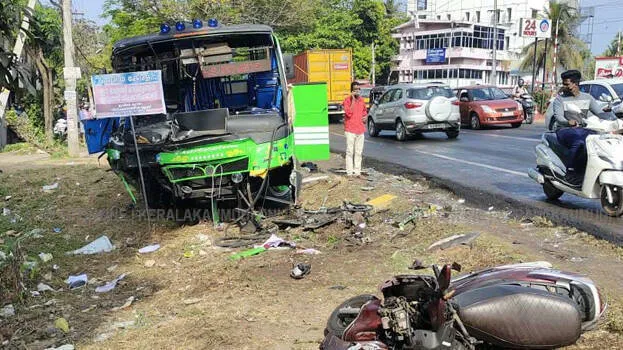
(608, 18)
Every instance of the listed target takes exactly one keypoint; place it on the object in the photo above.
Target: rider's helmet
(520, 82)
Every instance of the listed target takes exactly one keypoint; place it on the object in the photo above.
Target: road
(489, 168)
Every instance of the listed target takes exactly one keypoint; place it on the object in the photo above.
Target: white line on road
(503, 136)
(512, 172)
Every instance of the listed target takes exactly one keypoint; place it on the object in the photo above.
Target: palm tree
(616, 46)
(570, 48)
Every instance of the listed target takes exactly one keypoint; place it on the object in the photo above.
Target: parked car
(482, 105)
(605, 89)
(415, 108)
(365, 93)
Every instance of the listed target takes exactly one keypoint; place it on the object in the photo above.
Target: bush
(540, 99)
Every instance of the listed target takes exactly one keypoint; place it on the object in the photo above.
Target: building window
(467, 16)
(498, 14)
(507, 41)
(439, 17)
(509, 13)
(449, 17)
(422, 4)
(478, 16)
(535, 13)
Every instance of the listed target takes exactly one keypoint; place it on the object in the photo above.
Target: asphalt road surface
(489, 167)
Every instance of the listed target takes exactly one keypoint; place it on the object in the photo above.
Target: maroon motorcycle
(524, 306)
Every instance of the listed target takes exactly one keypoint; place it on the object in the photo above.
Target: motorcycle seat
(519, 317)
(559, 149)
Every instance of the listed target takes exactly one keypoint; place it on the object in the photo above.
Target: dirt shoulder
(189, 294)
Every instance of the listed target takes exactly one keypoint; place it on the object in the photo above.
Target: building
(509, 14)
(468, 56)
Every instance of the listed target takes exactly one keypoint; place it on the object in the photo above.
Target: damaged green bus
(230, 132)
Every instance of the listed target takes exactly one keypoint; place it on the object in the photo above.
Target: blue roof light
(180, 26)
(212, 22)
(165, 28)
(197, 24)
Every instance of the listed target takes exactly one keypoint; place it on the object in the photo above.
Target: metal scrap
(453, 241)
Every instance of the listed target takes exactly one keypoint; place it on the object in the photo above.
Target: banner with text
(128, 94)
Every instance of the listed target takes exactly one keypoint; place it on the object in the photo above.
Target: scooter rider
(519, 89)
(569, 128)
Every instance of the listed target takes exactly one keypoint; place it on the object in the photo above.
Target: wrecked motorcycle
(526, 306)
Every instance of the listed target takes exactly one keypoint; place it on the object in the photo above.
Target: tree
(616, 46)
(12, 70)
(44, 49)
(570, 48)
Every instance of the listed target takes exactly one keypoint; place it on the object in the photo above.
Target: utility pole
(494, 76)
(71, 73)
(17, 51)
(450, 46)
(373, 65)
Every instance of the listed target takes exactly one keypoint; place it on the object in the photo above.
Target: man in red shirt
(355, 113)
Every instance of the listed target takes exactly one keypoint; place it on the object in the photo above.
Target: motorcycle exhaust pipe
(536, 176)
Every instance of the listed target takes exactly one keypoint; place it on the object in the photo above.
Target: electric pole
(17, 51)
(71, 73)
(373, 65)
(494, 75)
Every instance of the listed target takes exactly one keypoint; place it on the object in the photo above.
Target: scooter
(603, 177)
(501, 306)
(528, 107)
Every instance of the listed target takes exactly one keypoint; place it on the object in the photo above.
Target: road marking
(512, 172)
(503, 136)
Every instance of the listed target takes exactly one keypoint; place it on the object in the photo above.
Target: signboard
(128, 94)
(233, 68)
(608, 67)
(535, 28)
(436, 56)
(340, 66)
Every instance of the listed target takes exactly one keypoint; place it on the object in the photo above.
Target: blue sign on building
(436, 55)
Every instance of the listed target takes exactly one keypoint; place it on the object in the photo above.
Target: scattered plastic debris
(337, 287)
(100, 245)
(126, 305)
(42, 287)
(149, 249)
(6, 211)
(367, 188)
(150, 263)
(57, 230)
(110, 285)
(8, 311)
(63, 347)
(77, 281)
(45, 257)
(7, 198)
(189, 254)
(308, 251)
(310, 167)
(191, 301)
(247, 253)
(111, 268)
(314, 179)
(62, 324)
(203, 238)
(491, 208)
(51, 187)
(461, 201)
(453, 241)
(275, 242)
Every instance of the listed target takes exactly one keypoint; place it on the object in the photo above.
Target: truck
(229, 136)
(334, 67)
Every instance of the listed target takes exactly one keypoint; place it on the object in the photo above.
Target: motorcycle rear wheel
(529, 118)
(551, 192)
(338, 322)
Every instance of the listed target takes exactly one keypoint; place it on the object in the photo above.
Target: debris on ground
(77, 281)
(62, 324)
(150, 263)
(63, 347)
(7, 198)
(310, 167)
(57, 230)
(7, 311)
(191, 301)
(300, 270)
(314, 179)
(110, 285)
(454, 241)
(45, 257)
(149, 249)
(126, 305)
(308, 251)
(247, 253)
(51, 187)
(275, 242)
(100, 245)
(42, 287)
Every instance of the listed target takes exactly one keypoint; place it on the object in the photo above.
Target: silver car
(410, 109)
(608, 91)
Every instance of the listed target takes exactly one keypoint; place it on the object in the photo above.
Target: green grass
(22, 148)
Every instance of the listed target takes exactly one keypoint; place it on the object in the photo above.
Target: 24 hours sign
(536, 28)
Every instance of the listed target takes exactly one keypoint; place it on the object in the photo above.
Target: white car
(411, 109)
(604, 89)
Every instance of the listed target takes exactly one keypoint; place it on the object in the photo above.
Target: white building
(509, 14)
